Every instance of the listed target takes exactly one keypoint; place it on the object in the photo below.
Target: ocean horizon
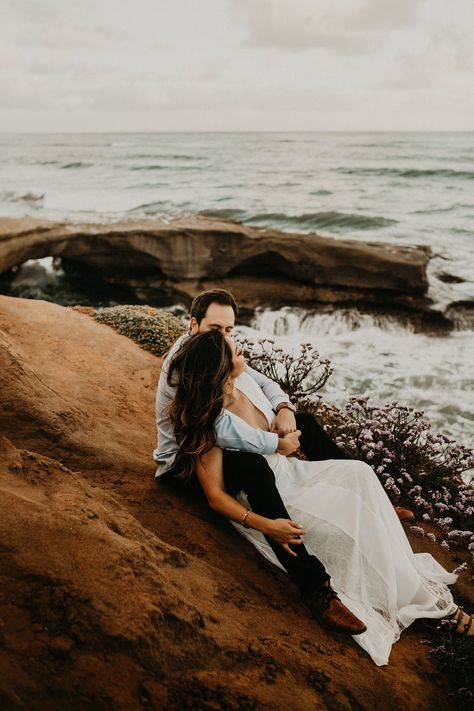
(403, 187)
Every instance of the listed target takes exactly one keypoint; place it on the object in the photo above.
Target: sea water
(402, 188)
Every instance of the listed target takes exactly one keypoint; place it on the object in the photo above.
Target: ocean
(403, 188)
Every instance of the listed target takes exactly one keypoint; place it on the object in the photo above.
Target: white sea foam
(378, 357)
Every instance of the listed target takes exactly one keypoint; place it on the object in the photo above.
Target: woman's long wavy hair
(199, 371)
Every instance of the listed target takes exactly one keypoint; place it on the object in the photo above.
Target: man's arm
(285, 421)
(271, 390)
(167, 445)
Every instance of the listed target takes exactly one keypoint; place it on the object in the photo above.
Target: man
(245, 468)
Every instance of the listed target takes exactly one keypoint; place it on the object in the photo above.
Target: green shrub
(153, 329)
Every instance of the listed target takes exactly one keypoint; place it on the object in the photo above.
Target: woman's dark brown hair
(198, 371)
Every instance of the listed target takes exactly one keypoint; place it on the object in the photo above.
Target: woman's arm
(211, 477)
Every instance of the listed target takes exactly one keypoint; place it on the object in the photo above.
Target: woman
(341, 507)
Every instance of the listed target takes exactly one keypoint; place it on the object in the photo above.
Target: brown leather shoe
(404, 514)
(330, 612)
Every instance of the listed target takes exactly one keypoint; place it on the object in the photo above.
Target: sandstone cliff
(117, 593)
(160, 262)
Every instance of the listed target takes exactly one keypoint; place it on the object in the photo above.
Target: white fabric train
(351, 526)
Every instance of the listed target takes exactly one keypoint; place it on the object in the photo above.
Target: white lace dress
(351, 526)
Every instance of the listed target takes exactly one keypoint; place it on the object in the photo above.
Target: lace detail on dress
(353, 529)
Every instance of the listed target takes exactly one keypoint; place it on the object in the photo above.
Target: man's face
(218, 318)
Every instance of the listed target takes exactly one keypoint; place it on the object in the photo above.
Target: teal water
(411, 188)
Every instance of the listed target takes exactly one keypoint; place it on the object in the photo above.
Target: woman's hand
(284, 531)
(289, 444)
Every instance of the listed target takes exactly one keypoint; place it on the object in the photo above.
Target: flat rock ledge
(160, 261)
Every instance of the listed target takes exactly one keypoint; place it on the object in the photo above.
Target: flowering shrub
(416, 466)
(299, 377)
(454, 656)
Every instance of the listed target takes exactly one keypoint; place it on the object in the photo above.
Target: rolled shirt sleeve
(270, 389)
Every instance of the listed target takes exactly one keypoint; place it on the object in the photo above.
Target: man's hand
(284, 422)
(284, 532)
(289, 444)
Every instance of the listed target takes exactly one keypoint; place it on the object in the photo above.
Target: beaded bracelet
(244, 522)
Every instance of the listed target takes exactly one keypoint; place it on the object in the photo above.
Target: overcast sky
(217, 65)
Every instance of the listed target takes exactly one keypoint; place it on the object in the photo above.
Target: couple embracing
(228, 431)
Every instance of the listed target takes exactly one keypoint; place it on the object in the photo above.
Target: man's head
(213, 310)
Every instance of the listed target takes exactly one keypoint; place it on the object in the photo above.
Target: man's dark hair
(202, 302)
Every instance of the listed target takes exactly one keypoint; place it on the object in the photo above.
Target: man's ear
(193, 326)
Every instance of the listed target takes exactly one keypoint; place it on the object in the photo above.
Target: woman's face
(239, 362)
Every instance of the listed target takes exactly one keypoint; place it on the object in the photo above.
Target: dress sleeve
(234, 433)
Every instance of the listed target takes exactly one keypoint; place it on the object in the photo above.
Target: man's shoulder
(176, 345)
(247, 376)
(254, 375)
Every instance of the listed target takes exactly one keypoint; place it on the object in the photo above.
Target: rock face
(118, 593)
(161, 261)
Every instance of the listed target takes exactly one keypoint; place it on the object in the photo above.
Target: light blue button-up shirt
(231, 431)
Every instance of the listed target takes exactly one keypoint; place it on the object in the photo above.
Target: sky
(236, 65)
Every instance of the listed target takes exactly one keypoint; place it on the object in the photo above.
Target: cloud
(446, 60)
(349, 26)
(25, 93)
(371, 58)
(121, 96)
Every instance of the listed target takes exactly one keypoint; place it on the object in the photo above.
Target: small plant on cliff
(299, 376)
(454, 656)
(153, 329)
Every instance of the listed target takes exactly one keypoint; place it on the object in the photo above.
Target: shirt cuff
(270, 443)
(275, 401)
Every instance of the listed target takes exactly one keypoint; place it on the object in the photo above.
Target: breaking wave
(307, 221)
(409, 172)
(10, 196)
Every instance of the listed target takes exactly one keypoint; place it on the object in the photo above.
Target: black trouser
(252, 474)
(315, 443)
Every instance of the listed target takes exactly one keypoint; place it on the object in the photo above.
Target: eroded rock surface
(160, 262)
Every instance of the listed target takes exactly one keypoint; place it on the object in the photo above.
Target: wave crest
(11, 196)
(76, 164)
(309, 220)
(409, 172)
